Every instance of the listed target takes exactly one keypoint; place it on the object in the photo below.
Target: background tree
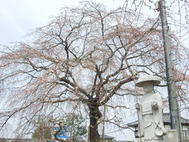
(86, 56)
(76, 125)
(42, 133)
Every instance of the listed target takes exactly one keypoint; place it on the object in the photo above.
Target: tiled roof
(107, 137)
(80, 139)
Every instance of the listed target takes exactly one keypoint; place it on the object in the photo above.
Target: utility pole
(173, 101)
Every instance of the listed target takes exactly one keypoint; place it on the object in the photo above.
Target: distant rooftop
(107, 137)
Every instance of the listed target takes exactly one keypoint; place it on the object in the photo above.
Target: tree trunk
(95, 115)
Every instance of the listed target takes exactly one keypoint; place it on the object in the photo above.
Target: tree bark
(95, 115)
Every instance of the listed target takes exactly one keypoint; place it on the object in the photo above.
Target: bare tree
(177, 14)
(86, 55)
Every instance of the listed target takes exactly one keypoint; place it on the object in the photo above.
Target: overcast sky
(19, 17)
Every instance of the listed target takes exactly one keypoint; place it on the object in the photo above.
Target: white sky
(19, 17)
